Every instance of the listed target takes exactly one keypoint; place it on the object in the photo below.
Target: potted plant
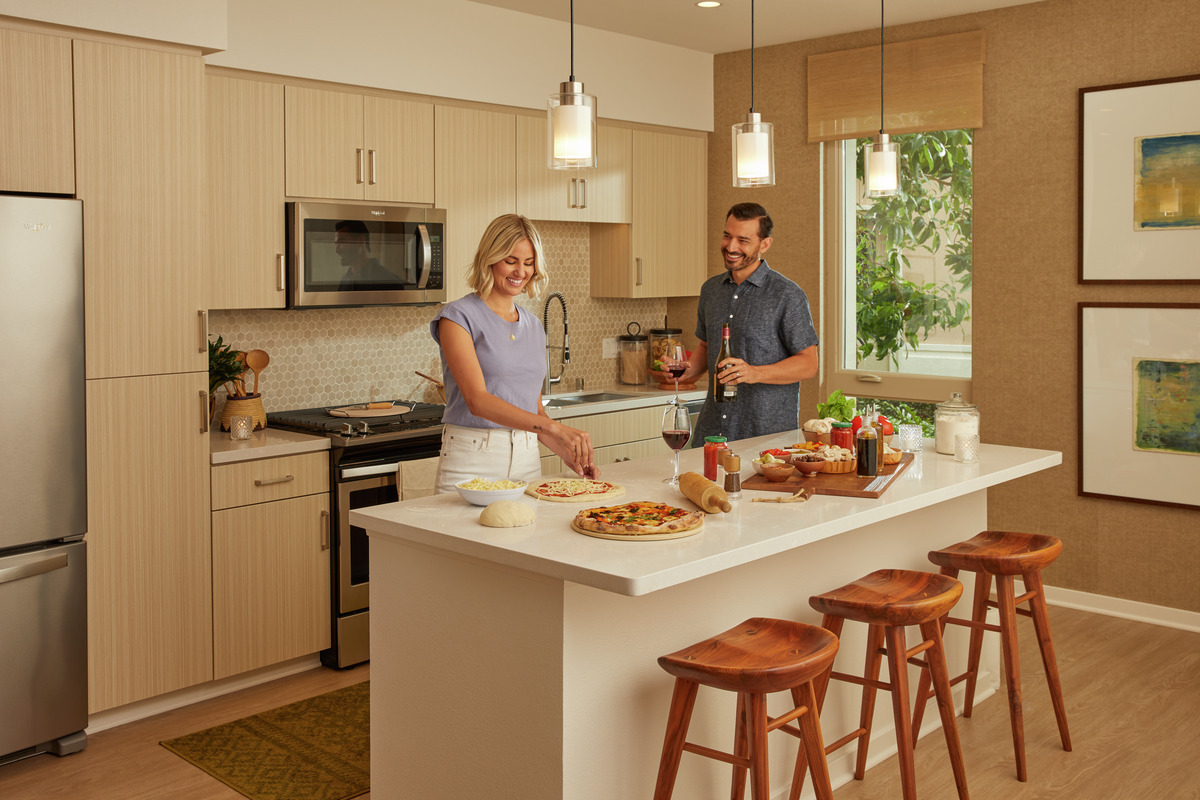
(225, 368)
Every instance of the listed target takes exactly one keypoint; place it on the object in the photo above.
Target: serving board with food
(838, 484)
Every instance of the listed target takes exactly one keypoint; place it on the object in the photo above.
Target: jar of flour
(953, 417)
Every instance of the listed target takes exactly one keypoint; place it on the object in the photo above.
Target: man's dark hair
(355, 226)
(745, 211)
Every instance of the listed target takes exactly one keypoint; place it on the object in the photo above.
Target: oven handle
(365, 472)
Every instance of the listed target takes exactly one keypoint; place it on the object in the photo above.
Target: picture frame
(1139, 366)
(1139, 182)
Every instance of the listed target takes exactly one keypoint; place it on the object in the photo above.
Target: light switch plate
(610, 347)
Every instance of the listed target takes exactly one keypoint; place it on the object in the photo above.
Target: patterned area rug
(316, 749)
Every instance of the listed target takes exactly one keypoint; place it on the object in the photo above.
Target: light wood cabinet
(270, 583)
(149, 579)
(37, 150)
(588, 195)
(662, 252)
(349, 146)
(245, 197)
(616, 436)
(476, 181)
(139, 130)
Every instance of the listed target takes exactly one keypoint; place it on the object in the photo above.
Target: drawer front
(617, 427)
(249, 482)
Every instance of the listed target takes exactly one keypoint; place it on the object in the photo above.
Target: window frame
(836, 238)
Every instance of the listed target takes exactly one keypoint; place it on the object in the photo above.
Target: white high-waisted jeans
(486, 453)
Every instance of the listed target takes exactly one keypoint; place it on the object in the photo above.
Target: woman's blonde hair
(497, 244)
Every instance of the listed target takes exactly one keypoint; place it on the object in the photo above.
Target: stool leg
(812, 745)
(940, 676)
(924, 690)
(683, 700)
(875, 637)
(983, 592)
(741, 748)
(1005, 598)
(760, 783)
(1041, 625)
(897, 648)
(833, 625)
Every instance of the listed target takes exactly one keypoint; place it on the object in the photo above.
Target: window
(899, 271)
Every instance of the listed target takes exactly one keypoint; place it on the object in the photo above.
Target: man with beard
(352, 243)
(773, 342)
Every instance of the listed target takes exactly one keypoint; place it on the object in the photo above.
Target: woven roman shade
(930, 85)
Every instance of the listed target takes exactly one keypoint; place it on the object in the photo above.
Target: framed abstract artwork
(1139, 175)
(1139, 399)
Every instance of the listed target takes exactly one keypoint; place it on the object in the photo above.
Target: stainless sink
(580, 399)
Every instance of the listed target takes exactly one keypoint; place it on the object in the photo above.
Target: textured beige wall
(1026, 254)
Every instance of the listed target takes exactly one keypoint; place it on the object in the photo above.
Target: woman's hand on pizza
(574, 447)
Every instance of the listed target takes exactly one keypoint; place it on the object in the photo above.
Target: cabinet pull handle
(571, 193)
(269, 481)
(371, 156)
(203, 411)
(324, 530)
(639, 271)
(583, 182)
(870, 378)
(203, 331)
(279, 281)
(359, 152)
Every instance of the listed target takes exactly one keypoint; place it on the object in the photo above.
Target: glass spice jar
(733, 476)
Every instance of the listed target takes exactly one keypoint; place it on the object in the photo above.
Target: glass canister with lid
(632, 359)
(660, 340)
(951, 418)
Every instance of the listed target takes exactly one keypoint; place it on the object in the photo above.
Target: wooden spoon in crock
(257, 361)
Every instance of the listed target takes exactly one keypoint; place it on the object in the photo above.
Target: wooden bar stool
(889, 600)
(753, 659)
(1004, 554)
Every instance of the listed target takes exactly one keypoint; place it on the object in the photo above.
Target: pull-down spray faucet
(566, 349)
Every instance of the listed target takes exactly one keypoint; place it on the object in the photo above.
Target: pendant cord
(880, 67)
(751, 56)
(573, 41)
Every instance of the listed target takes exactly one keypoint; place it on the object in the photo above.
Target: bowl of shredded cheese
(485, 491)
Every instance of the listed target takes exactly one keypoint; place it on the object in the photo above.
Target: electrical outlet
(610, 347)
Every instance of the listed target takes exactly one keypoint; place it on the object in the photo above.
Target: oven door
(358, 487)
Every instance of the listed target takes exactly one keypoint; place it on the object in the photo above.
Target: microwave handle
(426, 265)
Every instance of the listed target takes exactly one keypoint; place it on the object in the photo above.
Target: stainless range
(363, 456)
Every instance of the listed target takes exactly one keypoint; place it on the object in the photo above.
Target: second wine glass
(676, 432)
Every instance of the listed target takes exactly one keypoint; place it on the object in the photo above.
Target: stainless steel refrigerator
(43, 479)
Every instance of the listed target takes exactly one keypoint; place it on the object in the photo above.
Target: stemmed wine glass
(676, 431)
(674, 365)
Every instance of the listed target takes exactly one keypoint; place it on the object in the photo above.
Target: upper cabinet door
(586, 195)
(323, 133)
(139, 119)
(669, 202)
(37, 150)
(244, 128)
(398, 137)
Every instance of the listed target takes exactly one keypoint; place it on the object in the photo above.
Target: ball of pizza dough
(507, 514)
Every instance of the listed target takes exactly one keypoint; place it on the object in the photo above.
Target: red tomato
(885, 425)
(777, 453)
(855, 424)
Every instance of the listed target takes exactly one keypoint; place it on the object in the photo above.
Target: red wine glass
(676, 431)
(674, 365)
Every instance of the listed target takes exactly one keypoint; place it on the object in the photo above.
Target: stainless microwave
(347, 254)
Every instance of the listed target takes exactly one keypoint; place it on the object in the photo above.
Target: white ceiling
(727, 28)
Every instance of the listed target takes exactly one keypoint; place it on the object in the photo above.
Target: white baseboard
(1126, 609)
(195, 694)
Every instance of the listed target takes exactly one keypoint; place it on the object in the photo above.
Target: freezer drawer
(43, 684)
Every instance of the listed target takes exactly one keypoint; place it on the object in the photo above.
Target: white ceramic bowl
(485, 497)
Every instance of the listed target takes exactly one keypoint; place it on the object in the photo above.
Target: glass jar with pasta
(632, 356)
(662, 343)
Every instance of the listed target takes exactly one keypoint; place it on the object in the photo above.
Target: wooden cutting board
(846, 484)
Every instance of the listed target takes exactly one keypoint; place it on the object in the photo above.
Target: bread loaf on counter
(704, 493)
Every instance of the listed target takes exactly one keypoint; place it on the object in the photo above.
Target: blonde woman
(493, 364)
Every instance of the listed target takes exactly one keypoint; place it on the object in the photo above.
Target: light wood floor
(1132, 694)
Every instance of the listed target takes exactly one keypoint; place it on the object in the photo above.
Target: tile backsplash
(337, 356)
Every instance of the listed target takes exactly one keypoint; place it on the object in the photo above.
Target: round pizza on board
(639, 521)
(574, 490)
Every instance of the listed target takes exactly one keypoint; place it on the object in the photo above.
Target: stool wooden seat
(1004, 554)
(753, 659)
(888, 601)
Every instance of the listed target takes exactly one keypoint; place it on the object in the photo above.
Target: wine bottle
(724, 392)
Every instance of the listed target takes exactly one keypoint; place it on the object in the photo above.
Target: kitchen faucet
(566, 350)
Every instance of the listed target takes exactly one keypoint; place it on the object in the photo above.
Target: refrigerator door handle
(31, 568)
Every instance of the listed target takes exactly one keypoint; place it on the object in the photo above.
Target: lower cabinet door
(270, 583)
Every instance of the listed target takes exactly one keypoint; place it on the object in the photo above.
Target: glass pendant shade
(571, 121)
(753, 152)
(883, 167)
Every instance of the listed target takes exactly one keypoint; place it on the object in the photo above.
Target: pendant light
(883, 156)
(753, 139)
(571, 121)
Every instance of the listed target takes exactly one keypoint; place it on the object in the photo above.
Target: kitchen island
(521, 662)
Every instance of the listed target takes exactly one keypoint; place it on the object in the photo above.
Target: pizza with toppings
(574, 490)
(640, 520)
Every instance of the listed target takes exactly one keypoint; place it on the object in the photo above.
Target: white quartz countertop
(750, 532)
(267, 443)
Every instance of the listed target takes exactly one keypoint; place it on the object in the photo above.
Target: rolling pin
(704, 493)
